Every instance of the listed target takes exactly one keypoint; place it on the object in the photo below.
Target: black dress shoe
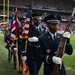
(20, 72)
(8, 60)
(14, 67)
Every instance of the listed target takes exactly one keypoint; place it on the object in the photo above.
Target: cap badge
(48, 36)
(55, 15)
(48, 51)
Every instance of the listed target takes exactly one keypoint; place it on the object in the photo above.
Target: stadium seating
(65, 5)
(46, 4)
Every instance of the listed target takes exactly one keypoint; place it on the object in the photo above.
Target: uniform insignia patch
(38, 46)
(48, 50)
(55, 15)
(58, 37)
(48, 36)
(42, 29)
(55, 52)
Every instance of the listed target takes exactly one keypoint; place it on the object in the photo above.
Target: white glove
(9, 48)
(33, 39)
(20, 36)
(57, 60)
(15, 49)
(66, 35)
(24, 58)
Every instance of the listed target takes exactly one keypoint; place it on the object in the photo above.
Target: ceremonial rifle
(61, 47)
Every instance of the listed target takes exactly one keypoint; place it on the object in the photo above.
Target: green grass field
(6, 68)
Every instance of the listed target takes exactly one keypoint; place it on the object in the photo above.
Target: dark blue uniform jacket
(31, 49)
(48, 47)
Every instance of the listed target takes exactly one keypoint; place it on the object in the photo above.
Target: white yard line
(69, 68)
(2, 35)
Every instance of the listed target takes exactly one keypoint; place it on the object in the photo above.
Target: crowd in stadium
(45, 4)
(42, 4)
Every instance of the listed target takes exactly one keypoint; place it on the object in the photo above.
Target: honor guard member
(13, 47)
(34, 31)
(6, 31)
(8, 41)
(10, 47)
(21, 42)
(48, 44)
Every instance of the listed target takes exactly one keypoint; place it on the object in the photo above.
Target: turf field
(6, 68)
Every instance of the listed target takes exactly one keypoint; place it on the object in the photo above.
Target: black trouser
(14, 60)
(9, 55)
(34, 66)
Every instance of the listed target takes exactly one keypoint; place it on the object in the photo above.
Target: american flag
(26, 28)
(27, 22)
(14, 26)
(25, 32)
(23, 67)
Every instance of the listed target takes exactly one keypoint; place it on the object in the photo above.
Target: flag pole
(8, 12)
(3, 10)
(17, 44)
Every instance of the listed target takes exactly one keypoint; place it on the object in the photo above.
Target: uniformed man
(21, 42)
(48, 45)
(8, 41)
(14, 49)
(34, 31)
(6, 32)
(10, 47)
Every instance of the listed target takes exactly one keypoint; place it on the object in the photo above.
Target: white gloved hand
(66, 35)
(33, 39)
(24, 58)
(20, 36)
(15, 49)
(57, 60)
(9, 48)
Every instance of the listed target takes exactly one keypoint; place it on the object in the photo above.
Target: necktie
(37, 29)
(54, 37)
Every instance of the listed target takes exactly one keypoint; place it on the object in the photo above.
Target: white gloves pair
(33, 39)
(66, 35)
(57, 60)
